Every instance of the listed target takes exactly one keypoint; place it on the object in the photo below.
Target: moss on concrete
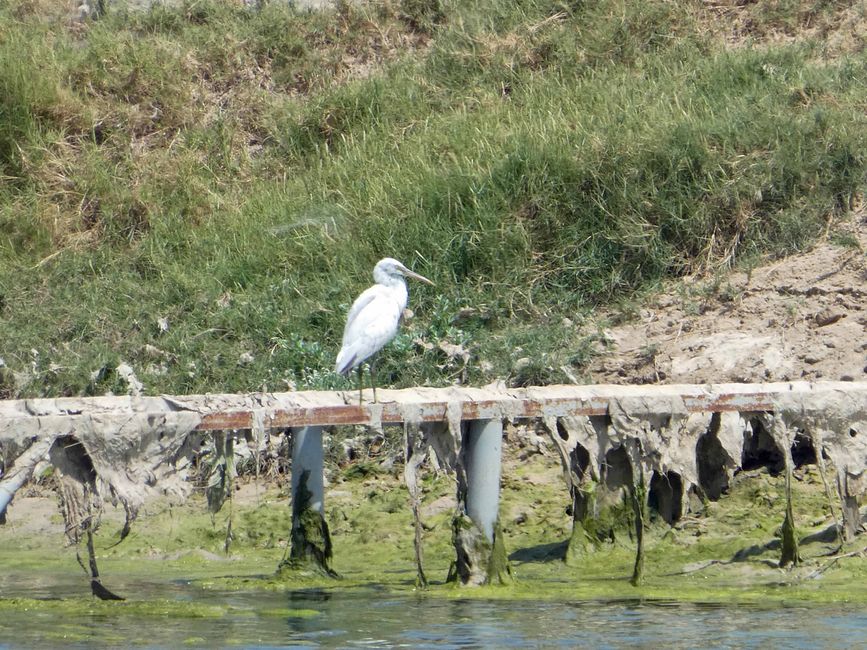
(478, 561)
(638, 496)
(310, 547)
(789, 556)
(499, 569)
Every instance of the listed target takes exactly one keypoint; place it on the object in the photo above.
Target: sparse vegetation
(200, 190)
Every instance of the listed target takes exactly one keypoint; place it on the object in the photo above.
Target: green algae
(638, 496)
(310, 547)
(728, 552)
(789, 554)
(478, 561)
(499, 569)
(288, 612)
(78, 607)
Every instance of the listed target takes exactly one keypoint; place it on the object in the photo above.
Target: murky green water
(378, 619)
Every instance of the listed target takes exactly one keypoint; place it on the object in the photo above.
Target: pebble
(828, 317)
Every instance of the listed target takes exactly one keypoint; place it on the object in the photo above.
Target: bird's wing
(367, 296)
(373, 322)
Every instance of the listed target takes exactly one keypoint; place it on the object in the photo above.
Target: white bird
(374, 318)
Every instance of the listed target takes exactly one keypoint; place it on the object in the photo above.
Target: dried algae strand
(21, 470)
(789, 554)
(415, 449)
(638, 496)
(574, 438)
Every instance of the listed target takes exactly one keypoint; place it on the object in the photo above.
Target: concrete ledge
(29, 417)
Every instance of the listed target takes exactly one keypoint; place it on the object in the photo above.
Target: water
(373, 619)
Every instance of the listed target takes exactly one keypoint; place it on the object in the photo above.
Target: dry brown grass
(839, 27)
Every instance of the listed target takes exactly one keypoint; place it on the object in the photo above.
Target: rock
(522, 364)
(452, 351)
(828, 317)
(729, 352)
(443, 504)
(126, 373)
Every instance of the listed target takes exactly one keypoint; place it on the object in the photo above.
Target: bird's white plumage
(375, 316)
(373, 322)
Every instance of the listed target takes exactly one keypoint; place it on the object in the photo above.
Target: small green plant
(845, 240)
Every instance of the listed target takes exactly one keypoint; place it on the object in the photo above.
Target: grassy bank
(201, 191)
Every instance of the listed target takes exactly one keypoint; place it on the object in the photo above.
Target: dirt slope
(800, 318)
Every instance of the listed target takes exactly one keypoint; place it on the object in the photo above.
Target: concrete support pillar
(484, 446)
(480, 551)
(307, 466)
(20, 473)
(310, 547)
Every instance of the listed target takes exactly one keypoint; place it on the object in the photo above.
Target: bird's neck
(402, 294)
(397, 286)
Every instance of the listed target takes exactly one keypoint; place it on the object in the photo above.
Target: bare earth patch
(800, 318)
(32, 516)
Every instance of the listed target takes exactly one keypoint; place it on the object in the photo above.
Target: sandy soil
(800, 318)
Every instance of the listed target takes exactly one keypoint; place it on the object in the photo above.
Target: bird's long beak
(416, 276)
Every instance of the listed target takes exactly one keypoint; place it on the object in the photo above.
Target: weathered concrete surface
(683, 451)
(135, 442)
(690, 439)
(24, 419)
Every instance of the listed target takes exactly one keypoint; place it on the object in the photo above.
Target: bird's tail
(345, 362)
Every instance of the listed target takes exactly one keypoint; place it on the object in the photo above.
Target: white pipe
(307, 459)
(484, 445)
(21, 472)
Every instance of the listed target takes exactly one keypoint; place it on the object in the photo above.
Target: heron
(374, 319)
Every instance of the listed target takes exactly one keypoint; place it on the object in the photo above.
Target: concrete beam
(21, 419)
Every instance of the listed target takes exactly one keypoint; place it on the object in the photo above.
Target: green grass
(235, 175)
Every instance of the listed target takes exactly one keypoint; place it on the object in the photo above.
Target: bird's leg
(360, 384)
(373, 376)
